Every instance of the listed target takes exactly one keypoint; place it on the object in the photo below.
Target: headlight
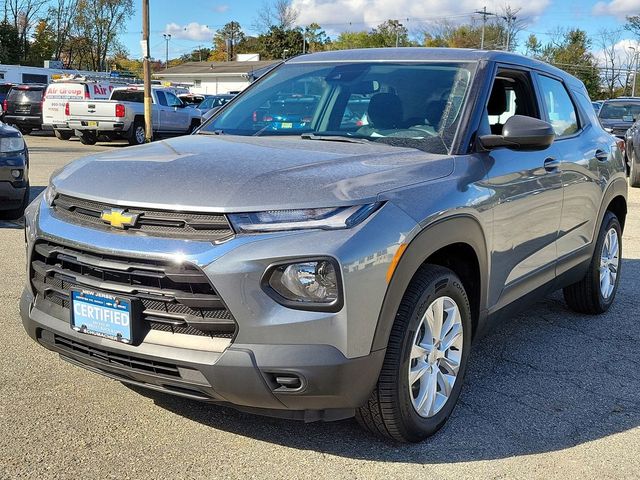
(310, 218)
(607, 129)
(11, 144)
(307, 285)
(50, 195)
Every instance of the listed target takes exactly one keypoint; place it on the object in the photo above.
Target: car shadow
(545, 380)
(18, 223)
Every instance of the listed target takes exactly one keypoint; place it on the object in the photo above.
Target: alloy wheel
(609, 263)
(436, 355)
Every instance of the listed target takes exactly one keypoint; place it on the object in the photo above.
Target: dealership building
(217, 77)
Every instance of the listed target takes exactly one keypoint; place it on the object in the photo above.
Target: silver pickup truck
(122, 116)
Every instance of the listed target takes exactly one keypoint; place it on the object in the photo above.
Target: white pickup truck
(122, 116)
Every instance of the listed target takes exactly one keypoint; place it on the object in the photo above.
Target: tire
(88, 138)
(588, 295)
(25, 130)
(63, 134)
(137, 133)
(194, 124)
(634, 169)
(391, 411)
(17, 213)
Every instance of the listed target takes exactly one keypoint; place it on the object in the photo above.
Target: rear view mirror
(521, 133)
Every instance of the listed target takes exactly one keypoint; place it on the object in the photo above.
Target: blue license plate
(102, 314)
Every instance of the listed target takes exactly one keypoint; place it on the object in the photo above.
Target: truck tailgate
(92, 110)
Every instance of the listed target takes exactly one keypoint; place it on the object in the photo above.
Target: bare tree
(24, 14)
(611, 73)
(276, 13)
(61, 16)
(513, 23)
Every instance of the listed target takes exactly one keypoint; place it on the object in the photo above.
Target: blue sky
(194, 24)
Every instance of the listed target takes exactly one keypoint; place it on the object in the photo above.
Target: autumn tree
(226, 41)
(99, 22)
(43, 45)
(9, 43)
(276, 13)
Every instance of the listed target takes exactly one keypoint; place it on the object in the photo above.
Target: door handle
(601, 155)
(551, 164)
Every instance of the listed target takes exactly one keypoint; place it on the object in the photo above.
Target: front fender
(444, 232)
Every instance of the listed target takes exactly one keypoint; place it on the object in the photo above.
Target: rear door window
(561, 111)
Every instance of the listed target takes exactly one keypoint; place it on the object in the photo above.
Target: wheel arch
(614, 200)
(456, 242)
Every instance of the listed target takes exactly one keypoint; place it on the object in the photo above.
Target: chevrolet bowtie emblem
(118, 218)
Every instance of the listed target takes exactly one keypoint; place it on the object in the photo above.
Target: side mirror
(521, 133)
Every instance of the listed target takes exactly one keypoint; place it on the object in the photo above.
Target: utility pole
(634, 66)
(167, 37)
(484, 14)
(304, 42)
(398, 27)
(148, 126)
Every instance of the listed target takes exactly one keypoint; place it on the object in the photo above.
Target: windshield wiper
(215, 132)
(334, 138)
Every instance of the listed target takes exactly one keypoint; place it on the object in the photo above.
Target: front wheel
(426, 356)
(595, 293)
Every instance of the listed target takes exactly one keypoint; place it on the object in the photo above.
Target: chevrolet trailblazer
(341, 268)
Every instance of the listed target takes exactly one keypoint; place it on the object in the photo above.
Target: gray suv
(340, 264)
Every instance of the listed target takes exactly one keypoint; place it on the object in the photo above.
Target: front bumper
(12, 190)
(330, 353)
(243, 376)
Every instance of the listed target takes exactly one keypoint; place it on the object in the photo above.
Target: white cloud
(336, 15)
(221, 8)
(192, 31)
(617, 8)
(624, 56)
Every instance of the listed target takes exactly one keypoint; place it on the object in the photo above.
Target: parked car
(617, 116)
(286, 113)
(59, 93)
(192, 99)
(632, 153)
(14, 173)
(214, 101)
(23, 107)
(339, 269)
(4, 90)
(122, 116)
(597, 105)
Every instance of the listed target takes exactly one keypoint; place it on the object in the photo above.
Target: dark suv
(23, 107)
(332, 267)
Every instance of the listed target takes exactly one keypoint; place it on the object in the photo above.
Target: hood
(615, 123)
(244, 174)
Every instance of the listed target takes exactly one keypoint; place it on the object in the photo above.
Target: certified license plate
(92, 124)
(102, 314)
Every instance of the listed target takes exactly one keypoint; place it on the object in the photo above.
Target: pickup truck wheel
(137, 136)
(88, 138)
(25, 130)
(63, 134)
(426, 356)
(594, 294)
(634, 169)
(17, 213)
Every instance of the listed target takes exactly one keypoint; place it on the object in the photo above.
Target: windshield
(405, 104)
(620, 110)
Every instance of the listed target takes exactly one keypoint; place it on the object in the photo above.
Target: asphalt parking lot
(548, 394)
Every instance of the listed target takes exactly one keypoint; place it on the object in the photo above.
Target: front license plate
(92, 124)
(102, 314)
(287, 125)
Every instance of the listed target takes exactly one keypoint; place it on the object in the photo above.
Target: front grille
(176, 298)
(165, 223)
(118, 359)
